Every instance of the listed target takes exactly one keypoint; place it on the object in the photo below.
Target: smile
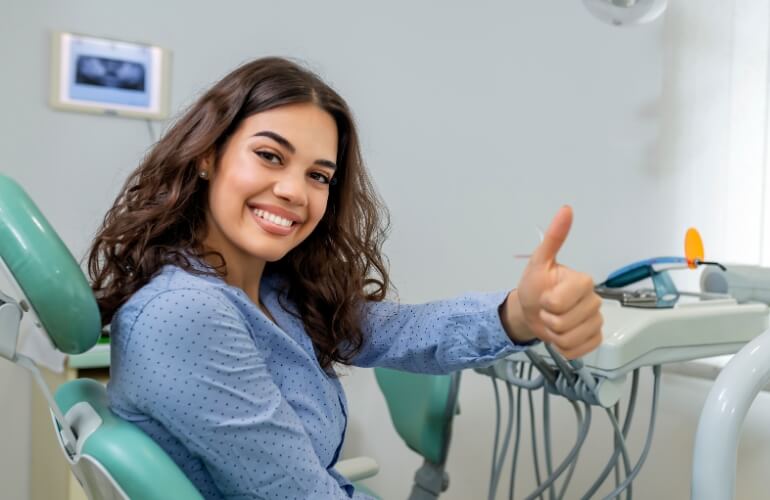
(274, 224)
(275, 219)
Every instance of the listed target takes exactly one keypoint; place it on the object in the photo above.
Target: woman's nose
(291, 187)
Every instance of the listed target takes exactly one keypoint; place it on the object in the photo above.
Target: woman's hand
(554, 303)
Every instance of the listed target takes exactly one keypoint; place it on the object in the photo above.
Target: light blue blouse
(242, 405)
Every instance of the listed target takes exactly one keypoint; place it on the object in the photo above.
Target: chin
(268, 255)
(275, 259)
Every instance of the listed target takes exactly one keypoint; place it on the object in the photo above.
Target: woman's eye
(321, 177)
(269, 157)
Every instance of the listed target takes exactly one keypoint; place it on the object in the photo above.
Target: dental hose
(585, 425)
(626, 427)
(497, 435)
(517, 438)
(499, 459)
(570, 373)
(648, 442)
(533, 434)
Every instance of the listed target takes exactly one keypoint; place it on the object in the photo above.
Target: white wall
(713, 152)
(478, 120)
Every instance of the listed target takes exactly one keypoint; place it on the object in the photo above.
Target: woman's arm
(552, 303)
(437, 337)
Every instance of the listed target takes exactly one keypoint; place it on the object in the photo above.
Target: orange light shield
(693, 248)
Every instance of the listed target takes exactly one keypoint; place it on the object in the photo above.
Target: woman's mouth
(273, 224)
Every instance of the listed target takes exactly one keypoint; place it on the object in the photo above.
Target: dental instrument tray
(658, 325)
(620, 284)
(651, 326)
(635, 337)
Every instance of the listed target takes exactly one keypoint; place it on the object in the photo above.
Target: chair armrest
(358, 468)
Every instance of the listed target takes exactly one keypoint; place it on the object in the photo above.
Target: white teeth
(275, 219)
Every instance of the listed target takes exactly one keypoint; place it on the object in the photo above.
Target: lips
(270, 217)
(272, 227)
(276, 210)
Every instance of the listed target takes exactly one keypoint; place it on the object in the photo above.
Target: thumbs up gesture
(552, 302)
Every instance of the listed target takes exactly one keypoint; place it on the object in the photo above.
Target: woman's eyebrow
(285, 143)
(326, 163)
(277, 138)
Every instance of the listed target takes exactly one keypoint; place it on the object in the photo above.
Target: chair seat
(128, 458)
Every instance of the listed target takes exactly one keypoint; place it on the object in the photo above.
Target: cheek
(237, 172)
(230, 186)
(318, 209)
(321, 206)
(243, 174)
(219, 202)
(224, 209)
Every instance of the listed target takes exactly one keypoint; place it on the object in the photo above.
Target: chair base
(430, 481)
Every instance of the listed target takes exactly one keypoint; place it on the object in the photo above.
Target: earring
(203, 174)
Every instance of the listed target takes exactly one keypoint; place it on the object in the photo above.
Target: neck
(244, 272)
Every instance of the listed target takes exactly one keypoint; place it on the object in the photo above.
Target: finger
(568, 291)
(585, 348)
(579, 335)
(588, 306)
(554, 237)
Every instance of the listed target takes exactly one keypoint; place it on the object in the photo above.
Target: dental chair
(111, 458)
(422, 408)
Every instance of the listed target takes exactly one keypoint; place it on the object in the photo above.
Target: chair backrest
(421, 408)
(47, 274)
(112, 458)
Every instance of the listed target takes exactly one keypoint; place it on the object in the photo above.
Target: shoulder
(175, 293)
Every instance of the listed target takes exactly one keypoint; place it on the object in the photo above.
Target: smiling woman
(267, 121)
(242, 261)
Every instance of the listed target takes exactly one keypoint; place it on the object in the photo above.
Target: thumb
(554, 237)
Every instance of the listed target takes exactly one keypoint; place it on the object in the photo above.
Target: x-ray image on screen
(108, 72)
(113, 73)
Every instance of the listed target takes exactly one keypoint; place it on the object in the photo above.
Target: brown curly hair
(158, 217)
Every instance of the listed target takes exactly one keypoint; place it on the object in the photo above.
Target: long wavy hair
(158, 217)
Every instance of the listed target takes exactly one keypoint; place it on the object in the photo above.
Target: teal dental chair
(422, 409)
(111, 458)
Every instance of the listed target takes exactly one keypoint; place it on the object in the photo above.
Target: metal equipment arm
(716, 440)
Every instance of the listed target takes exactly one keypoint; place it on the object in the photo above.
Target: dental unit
(644, 326)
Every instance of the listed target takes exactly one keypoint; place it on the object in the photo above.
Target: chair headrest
(47, 273)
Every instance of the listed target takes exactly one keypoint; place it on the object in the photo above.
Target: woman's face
(271, 184)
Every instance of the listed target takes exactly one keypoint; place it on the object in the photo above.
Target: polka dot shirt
(241, 404)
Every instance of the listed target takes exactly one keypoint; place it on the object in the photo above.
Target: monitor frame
(67, 94)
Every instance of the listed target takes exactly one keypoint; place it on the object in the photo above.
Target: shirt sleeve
(436, 337)
(206, 381)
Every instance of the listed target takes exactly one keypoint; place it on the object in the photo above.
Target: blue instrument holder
(664, 294)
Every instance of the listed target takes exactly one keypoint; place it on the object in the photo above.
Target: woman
(241, 262)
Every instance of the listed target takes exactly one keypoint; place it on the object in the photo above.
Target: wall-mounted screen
(99, 75)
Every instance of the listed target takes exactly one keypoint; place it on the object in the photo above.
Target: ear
(205, 166)
(207, 161)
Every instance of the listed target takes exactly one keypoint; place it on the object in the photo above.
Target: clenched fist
(552, 302)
